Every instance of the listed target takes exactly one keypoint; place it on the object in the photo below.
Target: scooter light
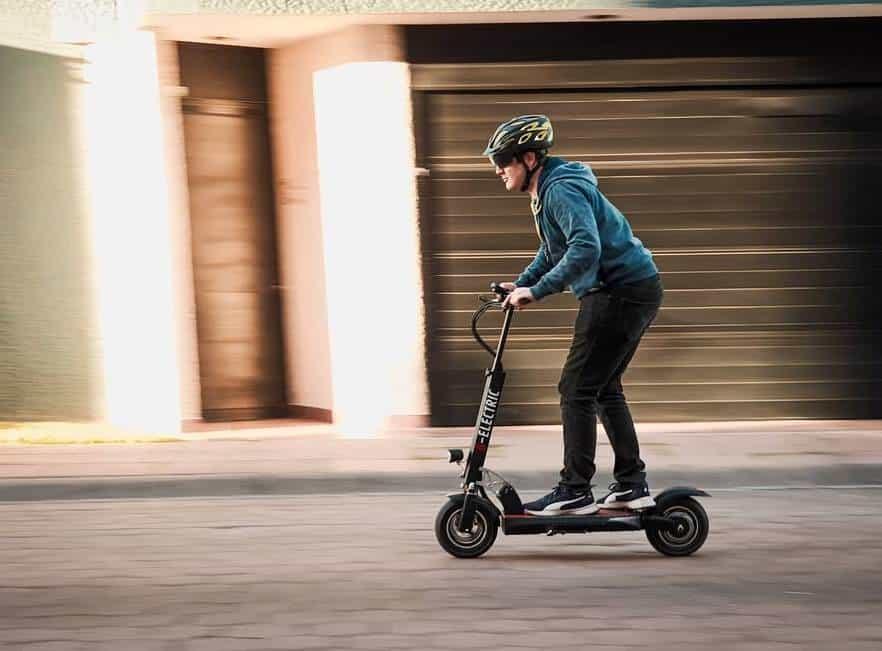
(455, 455)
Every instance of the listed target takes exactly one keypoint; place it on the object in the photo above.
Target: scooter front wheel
(466, 544)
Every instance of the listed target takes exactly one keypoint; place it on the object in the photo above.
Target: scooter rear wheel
(689, 532)
(466, 544)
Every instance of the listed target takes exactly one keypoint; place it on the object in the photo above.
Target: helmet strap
(530, 172)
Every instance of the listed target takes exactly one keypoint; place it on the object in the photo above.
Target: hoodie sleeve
(536, 269)
(572, 212)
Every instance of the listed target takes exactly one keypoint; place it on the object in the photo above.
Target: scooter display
(468, 523)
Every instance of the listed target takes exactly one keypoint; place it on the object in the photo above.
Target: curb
(193, 486)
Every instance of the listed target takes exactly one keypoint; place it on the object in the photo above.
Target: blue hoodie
(586, 242)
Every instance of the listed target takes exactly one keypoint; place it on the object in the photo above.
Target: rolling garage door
(233, 232)
(752, 187)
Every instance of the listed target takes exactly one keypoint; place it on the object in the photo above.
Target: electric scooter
(467, 525)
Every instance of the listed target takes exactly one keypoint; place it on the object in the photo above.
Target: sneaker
(563, 501)
(627, 496)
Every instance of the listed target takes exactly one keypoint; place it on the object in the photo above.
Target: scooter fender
(459, 498)
(671, 494)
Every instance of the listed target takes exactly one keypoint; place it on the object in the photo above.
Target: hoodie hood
(557, 169)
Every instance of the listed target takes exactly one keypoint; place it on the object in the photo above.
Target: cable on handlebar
(488, 305)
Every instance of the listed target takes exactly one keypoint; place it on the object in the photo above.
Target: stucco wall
(50, 365)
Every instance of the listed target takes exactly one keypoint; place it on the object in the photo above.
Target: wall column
(350, 260)
(134, 239)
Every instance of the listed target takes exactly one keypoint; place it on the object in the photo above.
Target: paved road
(794, 570)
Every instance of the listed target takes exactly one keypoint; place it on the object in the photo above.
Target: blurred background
(223, 215)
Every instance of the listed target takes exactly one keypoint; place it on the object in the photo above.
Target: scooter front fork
(467, 514)
(506, 494)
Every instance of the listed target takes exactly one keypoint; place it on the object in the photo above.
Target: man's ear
(529, 159)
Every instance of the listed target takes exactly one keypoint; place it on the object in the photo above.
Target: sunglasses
(502, 159)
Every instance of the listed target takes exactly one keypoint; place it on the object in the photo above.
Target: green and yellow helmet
(520, 134)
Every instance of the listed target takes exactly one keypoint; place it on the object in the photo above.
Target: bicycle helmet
(521, 134)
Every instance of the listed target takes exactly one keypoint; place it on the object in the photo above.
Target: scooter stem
(493, 383)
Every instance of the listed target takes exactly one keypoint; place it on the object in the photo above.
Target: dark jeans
(607, 331)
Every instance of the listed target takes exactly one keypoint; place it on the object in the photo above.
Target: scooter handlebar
(500, 292)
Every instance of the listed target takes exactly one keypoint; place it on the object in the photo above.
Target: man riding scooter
(587, 245)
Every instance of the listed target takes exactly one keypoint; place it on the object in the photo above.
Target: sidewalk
(280, 458)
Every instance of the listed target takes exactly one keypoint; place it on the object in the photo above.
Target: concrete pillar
(139, 239)
(350, 263)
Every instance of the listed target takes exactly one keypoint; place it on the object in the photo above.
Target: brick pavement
(782, 570)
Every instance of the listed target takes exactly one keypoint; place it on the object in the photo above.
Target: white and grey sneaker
(563, 501)
(627, 496)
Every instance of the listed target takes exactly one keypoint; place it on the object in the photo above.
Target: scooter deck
(603, 520)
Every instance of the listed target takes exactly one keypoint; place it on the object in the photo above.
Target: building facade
(222, 214)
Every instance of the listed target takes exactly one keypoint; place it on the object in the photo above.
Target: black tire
(690, 533)
(474, 543)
